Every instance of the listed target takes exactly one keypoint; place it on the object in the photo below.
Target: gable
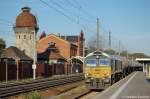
(42, 44)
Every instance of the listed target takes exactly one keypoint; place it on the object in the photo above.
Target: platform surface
(134, 86)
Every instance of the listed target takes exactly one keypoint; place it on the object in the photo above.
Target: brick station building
(68, 46)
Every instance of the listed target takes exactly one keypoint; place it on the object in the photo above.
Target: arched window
(24, 36)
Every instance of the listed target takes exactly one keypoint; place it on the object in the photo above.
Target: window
(90, 62)
(24, 36)
(104, 62)
(19, 36)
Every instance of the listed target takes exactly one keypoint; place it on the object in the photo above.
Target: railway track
(23, 87)
(21, 82)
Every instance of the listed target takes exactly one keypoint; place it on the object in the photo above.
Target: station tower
(25, 31)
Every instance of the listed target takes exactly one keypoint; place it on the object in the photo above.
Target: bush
(33, 95)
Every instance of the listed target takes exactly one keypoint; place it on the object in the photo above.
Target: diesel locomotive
(102, 70)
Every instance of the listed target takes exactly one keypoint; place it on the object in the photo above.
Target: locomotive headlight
(87, 74)
(97, 57)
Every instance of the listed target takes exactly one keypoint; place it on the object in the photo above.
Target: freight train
(102, 70)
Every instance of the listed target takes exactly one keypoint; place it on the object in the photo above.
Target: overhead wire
(76, 5)
(50, 6)
(65, 15)
(82, 9)
(62, 10)
(104, 41)
(68, 11)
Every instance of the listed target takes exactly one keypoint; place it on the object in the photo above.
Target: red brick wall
(40, 70)
(63, 46)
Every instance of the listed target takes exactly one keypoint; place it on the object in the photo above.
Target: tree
(124, 53)
(110, 51)
(2, 45)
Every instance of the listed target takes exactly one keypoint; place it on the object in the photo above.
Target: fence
(8, 69)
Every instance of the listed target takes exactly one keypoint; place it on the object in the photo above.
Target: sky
(128, 20)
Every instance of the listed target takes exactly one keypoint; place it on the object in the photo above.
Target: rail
(14, 89)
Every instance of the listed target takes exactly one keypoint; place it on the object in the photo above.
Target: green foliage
(2, 45)
(33, 95)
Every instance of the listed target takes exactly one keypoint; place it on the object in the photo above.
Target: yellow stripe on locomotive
(98, 72)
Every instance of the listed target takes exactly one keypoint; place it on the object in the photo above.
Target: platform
(134, 86)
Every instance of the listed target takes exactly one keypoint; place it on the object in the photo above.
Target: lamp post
(35, 57)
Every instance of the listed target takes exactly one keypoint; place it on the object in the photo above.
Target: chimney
(81, 34)
(66, 36)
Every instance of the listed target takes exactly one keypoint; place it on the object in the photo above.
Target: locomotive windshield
(90, 62)
(104, 62)
(97, 61)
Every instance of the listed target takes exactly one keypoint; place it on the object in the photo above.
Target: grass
(33, 95)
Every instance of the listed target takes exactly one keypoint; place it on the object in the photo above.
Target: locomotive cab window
(90, 62)
(104, 61)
